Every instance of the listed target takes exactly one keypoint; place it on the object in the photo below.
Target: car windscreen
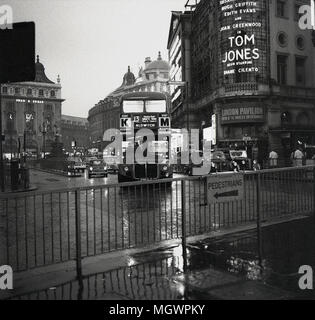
(96, 162)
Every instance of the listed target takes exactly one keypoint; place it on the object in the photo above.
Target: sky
(91, 43)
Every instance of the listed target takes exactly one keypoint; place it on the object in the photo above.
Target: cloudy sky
(90, 43)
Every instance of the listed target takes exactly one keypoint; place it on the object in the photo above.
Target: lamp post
(43, 130)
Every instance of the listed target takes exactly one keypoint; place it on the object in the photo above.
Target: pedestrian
(234, 166)
(256, 166)
(298, 157)
(273, 159)
(213, 168)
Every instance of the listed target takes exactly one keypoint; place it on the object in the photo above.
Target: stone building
(153, 77)
(250, 75)
(74, 133)
(33, 110)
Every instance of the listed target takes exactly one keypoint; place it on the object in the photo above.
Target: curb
(33, 188)
(60, 173)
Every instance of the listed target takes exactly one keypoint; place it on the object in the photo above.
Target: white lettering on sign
(225, 187)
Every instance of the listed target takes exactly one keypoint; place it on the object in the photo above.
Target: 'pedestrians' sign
(225, 187)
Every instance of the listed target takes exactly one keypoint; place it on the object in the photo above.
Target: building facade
(153, 77)
(74, 133)
(31, 112)
(251, 74)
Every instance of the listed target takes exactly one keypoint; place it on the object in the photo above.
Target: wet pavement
(229, 267)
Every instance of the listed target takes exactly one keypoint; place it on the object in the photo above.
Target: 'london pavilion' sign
(241, 114)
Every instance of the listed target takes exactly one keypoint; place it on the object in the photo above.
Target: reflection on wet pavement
(217, 269)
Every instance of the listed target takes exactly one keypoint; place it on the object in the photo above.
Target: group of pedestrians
(297, 158)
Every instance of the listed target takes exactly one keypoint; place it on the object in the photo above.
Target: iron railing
(45, 228)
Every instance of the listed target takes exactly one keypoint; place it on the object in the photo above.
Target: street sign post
(225, 188)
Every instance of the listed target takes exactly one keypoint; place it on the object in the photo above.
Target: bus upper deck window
(133, 106)
(155, 106)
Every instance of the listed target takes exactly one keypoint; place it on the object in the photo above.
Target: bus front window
(155, 106)
(133, 106)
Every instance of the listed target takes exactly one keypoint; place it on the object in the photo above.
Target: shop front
(243, 127)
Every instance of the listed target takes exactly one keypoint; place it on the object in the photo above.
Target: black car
(97, 168)
(70, 169)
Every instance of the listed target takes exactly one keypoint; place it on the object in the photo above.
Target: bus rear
(145, 110)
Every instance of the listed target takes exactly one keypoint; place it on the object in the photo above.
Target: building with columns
(153, 77)
(31, 112)
(74, 133)
(249, 70)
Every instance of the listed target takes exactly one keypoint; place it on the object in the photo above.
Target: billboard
(243, 40)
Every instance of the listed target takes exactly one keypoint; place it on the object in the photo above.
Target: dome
(40, 75)
(158, 64)
(129, 78)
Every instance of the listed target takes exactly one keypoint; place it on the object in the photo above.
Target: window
(133, 106)
(41, 92)
(300, 71)
(17, 90)
(281, 8)
(300, 43)
(29, 92)
(282, 69)
(52, 93)
(286, 118)
(5, 90)
(29, 121)
(282, 39)
(155, 106)
(10, 121)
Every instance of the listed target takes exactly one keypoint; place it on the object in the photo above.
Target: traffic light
(17, 53)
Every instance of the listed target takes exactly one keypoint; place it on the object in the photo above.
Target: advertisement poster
(243, 39)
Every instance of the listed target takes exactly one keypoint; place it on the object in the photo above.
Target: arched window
(302, 119)
(29, 121)
(10, 121)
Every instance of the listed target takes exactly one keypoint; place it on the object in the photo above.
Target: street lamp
(43, 130)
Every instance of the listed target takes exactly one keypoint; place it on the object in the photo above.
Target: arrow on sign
(226, 194)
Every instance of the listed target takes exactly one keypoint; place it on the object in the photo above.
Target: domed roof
(129, 78)
(40, 75)
(158, 64)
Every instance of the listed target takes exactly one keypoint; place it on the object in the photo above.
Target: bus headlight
(91, 168)
(165, 168)
(126, 169)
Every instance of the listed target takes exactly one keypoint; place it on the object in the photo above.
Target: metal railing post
(184, 235)
(258, 208)
(314, 192)
(78, 235)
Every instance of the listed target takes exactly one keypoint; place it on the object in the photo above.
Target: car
(240, 157)
(97, 168)
(78, 163)
(218, 158)
(70, 170)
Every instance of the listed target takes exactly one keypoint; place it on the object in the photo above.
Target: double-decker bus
(145, 110)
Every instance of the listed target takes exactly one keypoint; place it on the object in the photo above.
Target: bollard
(184, 245)
(78, 235)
